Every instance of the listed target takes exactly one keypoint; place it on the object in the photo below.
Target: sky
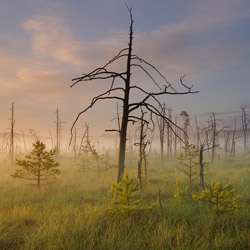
(46, 43)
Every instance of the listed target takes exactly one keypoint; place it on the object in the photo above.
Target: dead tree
(142, 148)
(213, 123)
(169, 134)
(122, 92)
(197, 133)
(175, 137)
(232, 151)
(207, 141)
(186, 124)
(162, 126)
(227, 135)
(11, 151)
(74, 146)
(57, 131)
(245, 124)
(86, 132)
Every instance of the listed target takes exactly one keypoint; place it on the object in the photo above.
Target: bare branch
(152, 78)
(94, 100)
(154, 68)
(98, 74)
(112, 130)
(181, 81)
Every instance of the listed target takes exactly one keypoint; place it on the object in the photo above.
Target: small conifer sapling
(124, 198)
(38, 166)
(221, 197)
(188, 159)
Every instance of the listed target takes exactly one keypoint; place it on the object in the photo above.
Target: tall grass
(71, 212)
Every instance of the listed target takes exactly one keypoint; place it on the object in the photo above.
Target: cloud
(51, 36)
(190, 45)
(180, 47)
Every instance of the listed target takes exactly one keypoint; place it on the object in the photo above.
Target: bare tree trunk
(170, 133)
(244, 129)
(226, 142)
(57, 131)
(74, 146)
(125, 113)
(141, 142)
(175, 138)
(161, 125)
(86, 132)
(213, 136)
(11, 152)
(130, 148)
(38, 180)
(201, 174)
(186, 123)
(198, 133)
(232, 153)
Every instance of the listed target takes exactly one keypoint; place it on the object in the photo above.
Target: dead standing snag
(149, 101)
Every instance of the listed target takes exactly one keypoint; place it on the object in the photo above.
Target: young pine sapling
(38, 166)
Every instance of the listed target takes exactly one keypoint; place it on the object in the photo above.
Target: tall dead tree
(11, 151)
(57, 131)
(169, 134)
(186, 123)
(208, 140)
(86, 132)
(74, 146)
(122, 92)
(245, 124)
(142, 147)
(232, 151)
(162, 126)
(197, 133)
(213, 123)
(175, 137)
(227, 135)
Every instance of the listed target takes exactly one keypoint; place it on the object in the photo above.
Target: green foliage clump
(188, 159)
(38, 166)
(124, 198)
(221, 197)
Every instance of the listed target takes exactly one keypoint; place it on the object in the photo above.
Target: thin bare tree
(142, 148)
(11, 151)
(86, 132)
(245, 124)
(232, 151)
(186, 124)
(149, 101)
(169, 134)
(162, 127)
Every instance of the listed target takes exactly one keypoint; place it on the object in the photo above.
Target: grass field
(72, 212)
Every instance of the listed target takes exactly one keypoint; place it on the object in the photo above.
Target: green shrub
(221, 197)
(38, 166)
(125, 198)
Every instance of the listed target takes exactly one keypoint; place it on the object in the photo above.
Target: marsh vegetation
(72, 212)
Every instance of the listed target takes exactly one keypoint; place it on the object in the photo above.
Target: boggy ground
(72, 212)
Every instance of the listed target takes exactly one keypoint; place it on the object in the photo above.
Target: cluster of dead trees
(145, 109)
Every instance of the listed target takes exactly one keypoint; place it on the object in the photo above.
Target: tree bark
(125, 113)
(201, 167)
